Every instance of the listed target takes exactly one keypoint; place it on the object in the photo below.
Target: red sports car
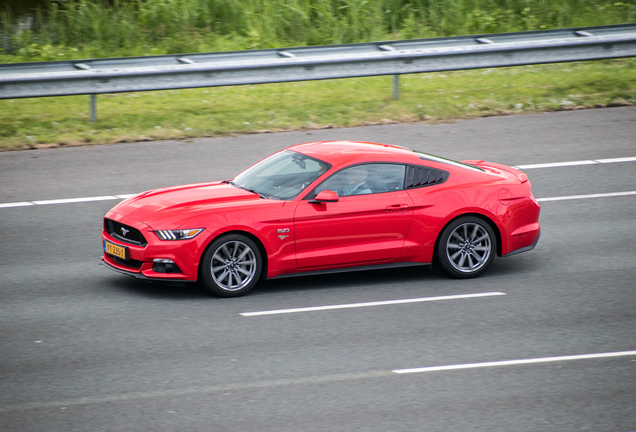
(325, 207)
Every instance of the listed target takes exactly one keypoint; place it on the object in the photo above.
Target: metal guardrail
(115, 75)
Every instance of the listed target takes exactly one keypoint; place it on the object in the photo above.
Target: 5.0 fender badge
(283, 231)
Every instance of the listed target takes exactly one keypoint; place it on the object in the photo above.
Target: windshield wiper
(244, 188)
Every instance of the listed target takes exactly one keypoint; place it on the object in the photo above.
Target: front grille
(124, 233)
(128, 263)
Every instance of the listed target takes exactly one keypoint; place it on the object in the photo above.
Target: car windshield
(281, 176)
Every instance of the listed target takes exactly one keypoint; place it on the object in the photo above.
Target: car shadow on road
(189, 291)
(506, 268)
(404, 275)
(516, 266)
(502, 269)
(157, 290)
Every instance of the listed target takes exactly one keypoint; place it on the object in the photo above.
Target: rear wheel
(467, 247)
(231, 266)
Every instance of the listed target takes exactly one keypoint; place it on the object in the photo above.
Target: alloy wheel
(468, 247)
(233, 265)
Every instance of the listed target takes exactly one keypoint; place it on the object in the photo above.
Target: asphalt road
(84, 348)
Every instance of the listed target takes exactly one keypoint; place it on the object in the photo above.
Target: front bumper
(184, 253)
(142, 276)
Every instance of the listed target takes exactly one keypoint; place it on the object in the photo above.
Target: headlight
(180, 234)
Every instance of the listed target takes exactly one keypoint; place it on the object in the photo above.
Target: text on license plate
(118, 251)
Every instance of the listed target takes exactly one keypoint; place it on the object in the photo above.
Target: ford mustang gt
(325, 207)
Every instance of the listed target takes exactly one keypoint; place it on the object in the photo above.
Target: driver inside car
(356, 182)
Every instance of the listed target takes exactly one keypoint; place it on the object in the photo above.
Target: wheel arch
(485, 218)
(255, 239)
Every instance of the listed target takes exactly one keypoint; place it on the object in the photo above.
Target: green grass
(75, 29)
(219, 111)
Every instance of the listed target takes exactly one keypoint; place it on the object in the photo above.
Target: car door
(367, 224)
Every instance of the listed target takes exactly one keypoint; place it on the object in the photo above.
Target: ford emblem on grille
(124, 231)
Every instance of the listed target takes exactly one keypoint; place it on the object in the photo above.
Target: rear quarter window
(420, 176)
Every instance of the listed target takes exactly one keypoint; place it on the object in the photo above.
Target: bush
(110, 28)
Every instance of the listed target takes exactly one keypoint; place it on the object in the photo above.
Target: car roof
(338, 152)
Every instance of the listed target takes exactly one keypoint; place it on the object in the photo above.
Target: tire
(231, 266)
(466, 247)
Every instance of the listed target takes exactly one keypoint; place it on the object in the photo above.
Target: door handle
(397, 207)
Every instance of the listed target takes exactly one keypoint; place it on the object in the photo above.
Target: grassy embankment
(84, 29)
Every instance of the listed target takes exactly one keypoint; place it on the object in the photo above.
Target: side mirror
(325, 197)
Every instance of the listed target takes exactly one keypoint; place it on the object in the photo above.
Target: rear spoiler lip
(523, 177)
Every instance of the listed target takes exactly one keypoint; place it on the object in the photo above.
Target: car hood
(169, 208)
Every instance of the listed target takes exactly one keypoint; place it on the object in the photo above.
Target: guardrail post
(396, 87)
(93, 104)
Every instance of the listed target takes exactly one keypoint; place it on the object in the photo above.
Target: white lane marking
(378, 303)
(576, 163)
(17, 204)
(576, 197)
(614, 160)
(67, 200)
(75, 200)
(116, 197)
(556, 164)
(209, 389)
(515, 362)
(521, 167)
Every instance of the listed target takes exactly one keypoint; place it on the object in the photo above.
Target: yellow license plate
(118, 251)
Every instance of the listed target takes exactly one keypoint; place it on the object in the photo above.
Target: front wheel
(231, 266)
(466, 247)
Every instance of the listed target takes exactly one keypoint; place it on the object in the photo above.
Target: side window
(365, 179)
